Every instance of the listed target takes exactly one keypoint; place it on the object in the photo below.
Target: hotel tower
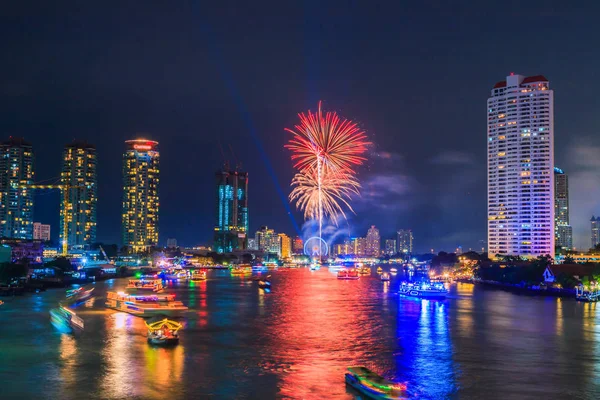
(520, 150)
(140, 194)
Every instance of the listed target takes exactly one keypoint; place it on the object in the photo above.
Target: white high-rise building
(521, 167)
(373, 242)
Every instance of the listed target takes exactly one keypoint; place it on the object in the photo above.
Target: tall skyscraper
(521, 167)
(373, 242)
(141, 169)
(405, 241)
(390, 247)
(16, 200)
(78, 205)
(563, 232)
(231, 229)
(285, 246)
(595, 222)
(267, 240)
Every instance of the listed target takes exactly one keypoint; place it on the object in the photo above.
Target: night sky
(236, 74)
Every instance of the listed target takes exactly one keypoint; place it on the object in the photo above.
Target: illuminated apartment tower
(373, 242)
(563, 232)
(285, 246)
(16, 200)
(78, 205)
(231, 229)
(595, 224)
(140, 194)
(405, 241)
(520, 154)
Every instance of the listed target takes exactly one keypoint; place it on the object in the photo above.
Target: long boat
(373, 385)
(351, 274)
(146, 284)
(423, 290)
(145, 306)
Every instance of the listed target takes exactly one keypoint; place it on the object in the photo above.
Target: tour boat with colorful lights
(348, 274)
(373, 385)
(393, 270)
(78, 296)
(146, 284)
(239, 270)
(425, 290)
(65, 317)
(364, 270)
(315, 266)
(197, 275)
(379, 270)
(145, 306)
(162, 331)
(385, 277)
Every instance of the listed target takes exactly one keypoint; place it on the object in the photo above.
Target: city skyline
(425, 173)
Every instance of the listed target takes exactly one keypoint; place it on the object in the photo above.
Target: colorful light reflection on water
(240, 342)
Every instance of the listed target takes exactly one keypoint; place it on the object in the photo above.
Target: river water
(295, 342)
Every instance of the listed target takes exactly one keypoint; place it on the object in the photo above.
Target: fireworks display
(326, 150)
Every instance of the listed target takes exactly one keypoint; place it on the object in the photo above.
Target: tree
(10, 271)
(569, 259)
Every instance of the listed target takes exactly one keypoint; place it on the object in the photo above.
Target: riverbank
(521, 289)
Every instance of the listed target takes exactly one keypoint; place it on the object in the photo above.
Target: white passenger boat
(145, 284)
(145, 306)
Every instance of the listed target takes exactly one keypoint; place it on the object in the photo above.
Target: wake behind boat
(373, 385)
(426, 290)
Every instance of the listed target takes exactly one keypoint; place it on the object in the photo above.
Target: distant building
(171, 243)
(405, 241)
(141, 167)
(373, 242)
(285, 246)
(267, 240)
(390, 247)
(231, 228)
(78, 205)
(41, 231)
(359, 246)
(21, 249)
(520, 155)
(298, 245)
(563, 232)
(595, 222)
(16, 199)
(252, 244)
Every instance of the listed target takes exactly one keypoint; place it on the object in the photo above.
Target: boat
(385, 277)
(1, 302)
(241, 270)
(145, 306)
(81, 296)
(426, 290)
(586, 296)
(265, 283)
(62, 317)
(394, 270)
(373, 385)
(146, 284)
(379, 270)
(348, 274)
(197, 275)
(364, 271)
(315, 267)
(174, 275)
(162, 331)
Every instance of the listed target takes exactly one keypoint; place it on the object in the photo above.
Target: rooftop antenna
(237, 163)
(225, 162)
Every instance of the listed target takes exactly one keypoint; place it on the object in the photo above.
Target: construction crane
(64, 190)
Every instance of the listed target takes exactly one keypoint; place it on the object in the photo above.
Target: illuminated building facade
(41, 231)
(267, 240)
(520, 150)
(563, 232)
(298, 245)
(16, 200)
(405, 241)
(373, 244)
(141, 166)
(231, 229)
(595, 223)
(285, 246)
(78, 204)
(390, 247)
(359, 246)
